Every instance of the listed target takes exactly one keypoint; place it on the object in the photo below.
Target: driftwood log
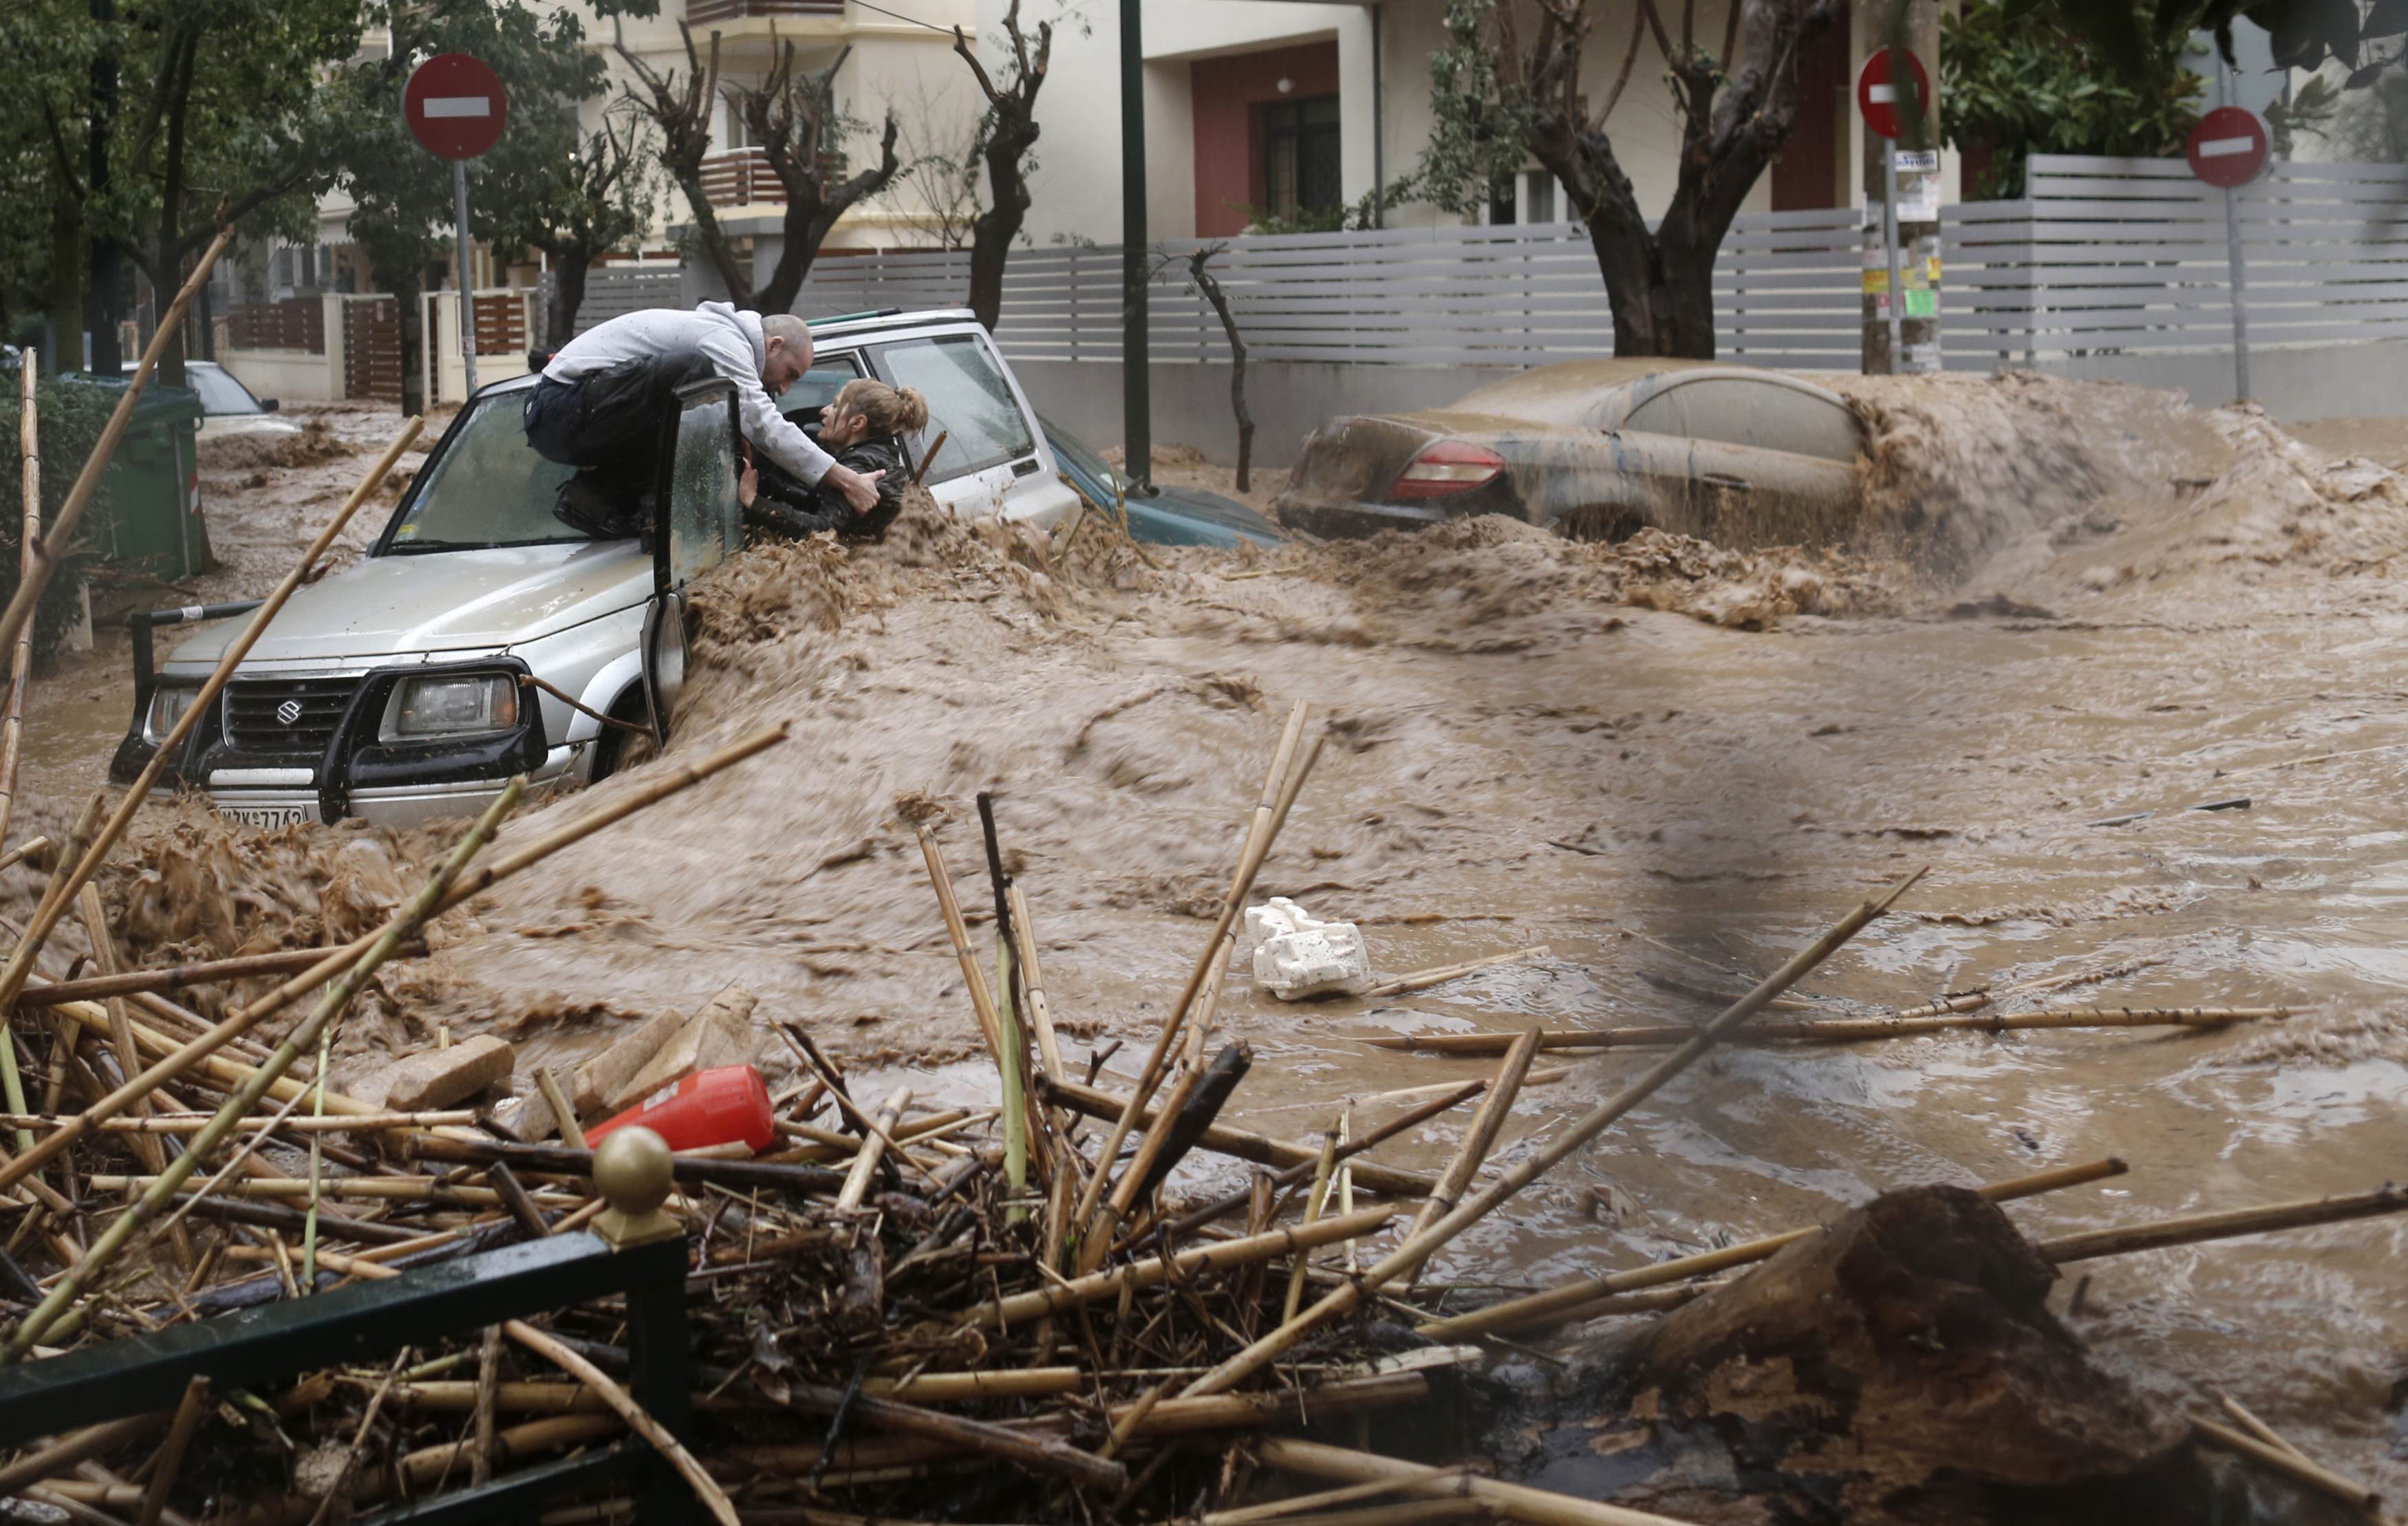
(1904, 1370)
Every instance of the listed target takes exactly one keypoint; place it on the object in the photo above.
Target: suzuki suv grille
(286, 716)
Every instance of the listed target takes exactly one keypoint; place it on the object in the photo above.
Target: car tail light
(1448, 466)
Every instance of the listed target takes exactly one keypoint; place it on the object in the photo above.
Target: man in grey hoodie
(599, 406)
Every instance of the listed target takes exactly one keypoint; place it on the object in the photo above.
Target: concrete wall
(295, 376)
(2313, 382)
(1288, 400)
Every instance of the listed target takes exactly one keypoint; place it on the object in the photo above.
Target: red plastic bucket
(709, 1107)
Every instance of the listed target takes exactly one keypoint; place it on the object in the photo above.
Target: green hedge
(70, 419)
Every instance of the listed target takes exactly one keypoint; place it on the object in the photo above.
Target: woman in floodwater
(860, 427)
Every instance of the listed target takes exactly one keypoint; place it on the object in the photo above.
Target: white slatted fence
(1785, 290)
(2128, 256)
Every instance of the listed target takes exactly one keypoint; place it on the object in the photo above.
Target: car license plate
(266, 815)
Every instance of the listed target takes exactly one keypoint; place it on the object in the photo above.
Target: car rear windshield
(484, 486)
(220, 393)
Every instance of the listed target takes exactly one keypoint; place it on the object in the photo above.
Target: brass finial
(632, 1169)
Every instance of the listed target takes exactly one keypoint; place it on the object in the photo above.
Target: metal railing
(256, 1347)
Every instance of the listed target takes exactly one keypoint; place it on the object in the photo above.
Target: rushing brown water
(1660, 760)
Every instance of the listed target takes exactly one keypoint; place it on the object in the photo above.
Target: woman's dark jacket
(784, 505)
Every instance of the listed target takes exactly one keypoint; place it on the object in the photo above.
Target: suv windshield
(485, 486)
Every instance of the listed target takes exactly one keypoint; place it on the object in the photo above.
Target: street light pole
(1136, 394)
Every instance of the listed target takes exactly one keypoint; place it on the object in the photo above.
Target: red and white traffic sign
(455, 105)
(1887, 73)
(2228, 147)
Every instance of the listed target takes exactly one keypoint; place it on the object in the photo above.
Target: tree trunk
(992, 234)
(66, 295)
(715, 244)
(568, 268)
(805, 226)
(405, 315)
(988, 252)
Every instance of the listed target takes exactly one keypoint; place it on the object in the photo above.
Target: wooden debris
(437, 1078)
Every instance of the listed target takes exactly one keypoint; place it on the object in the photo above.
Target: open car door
(699, 524)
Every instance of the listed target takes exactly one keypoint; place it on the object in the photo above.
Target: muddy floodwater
(1670, 765)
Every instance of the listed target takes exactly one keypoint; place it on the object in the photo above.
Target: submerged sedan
(1598, 449)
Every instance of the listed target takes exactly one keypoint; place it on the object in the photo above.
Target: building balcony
(740, 179)
(701, 12)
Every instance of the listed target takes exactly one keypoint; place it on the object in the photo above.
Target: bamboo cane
(1843, 1030)
(1516, 1502)
(865, 1165)
(70, 1286)
(219, 1071)
(29, 535)
(193, 1123)
(282, 961)
(1478, 1140)
(670, 780)
(1041, 1012)
(1315, 1201)
(1422, 980)
(170, 1460)
(20, 966)
(1139, 1275)
(2192, 1229)
(1558, 1304)
(1405, 1258)
(2290, 1464)
(981, 999)
(1222, 1139)
(1400, 1513)
(1208, 1001)
(1288, 1176)
(620, 1400)
(1326, 1498)
(44, 560)
(1250, 857)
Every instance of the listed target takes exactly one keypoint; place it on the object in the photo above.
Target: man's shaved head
(789, 342)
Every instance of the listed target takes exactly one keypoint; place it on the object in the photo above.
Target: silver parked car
(227, 407)
(481, 637)
(1598, 449)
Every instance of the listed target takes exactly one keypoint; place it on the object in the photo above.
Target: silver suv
(480, 637)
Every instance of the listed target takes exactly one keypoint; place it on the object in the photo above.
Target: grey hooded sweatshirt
(732, 340)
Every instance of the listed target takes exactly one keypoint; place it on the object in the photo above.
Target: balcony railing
(740, 178)
(701, 11)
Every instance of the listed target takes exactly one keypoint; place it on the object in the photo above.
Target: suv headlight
(454, 705)
(168, 704)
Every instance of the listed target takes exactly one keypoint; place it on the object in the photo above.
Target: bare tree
(797, 125)
(1008, 132)
(680, 108)
(1203, 282)
(1499, 95)
(939, 183)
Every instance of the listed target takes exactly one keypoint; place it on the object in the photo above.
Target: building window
(1301, 157)
(1529, 196)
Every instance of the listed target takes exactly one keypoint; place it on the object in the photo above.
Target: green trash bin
(153, 483)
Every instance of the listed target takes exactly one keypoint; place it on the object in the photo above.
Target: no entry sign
(2228, 148)
(1882, 87)
(455, 105)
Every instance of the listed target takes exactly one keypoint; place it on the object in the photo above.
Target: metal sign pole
(2240, 280)
(467, 303)
(1896, 297)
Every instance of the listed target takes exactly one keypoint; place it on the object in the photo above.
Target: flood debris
(909, 1309)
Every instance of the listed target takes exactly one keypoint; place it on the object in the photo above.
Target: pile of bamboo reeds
(904, 1313)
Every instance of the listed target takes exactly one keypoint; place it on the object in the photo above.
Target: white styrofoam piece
(1299, 955)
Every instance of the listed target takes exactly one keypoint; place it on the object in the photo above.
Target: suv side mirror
(270, 405)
